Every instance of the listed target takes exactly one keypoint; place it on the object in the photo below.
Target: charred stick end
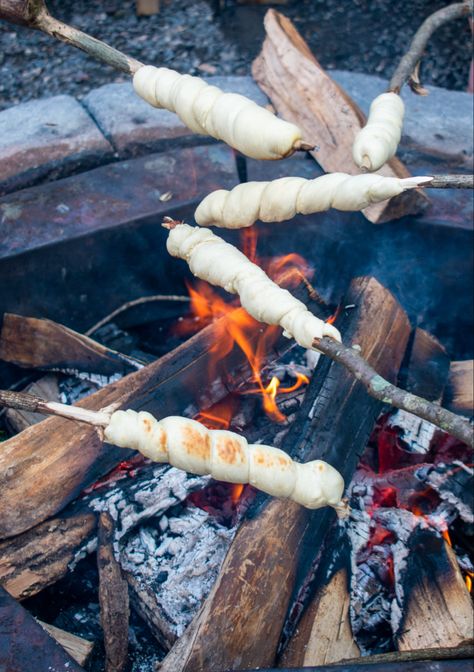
(302, 146)
(170, 223)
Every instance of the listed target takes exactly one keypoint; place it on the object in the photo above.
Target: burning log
(43, 344)
(220, 263)
(324, 634)
(329, 115)
(113, 599)
(439, 611)
(55, 459)
(252, 594)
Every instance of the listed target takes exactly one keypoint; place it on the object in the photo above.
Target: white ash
(78, 384)
(180, 564)
(173, 549)
(445, 479)
(416, 433)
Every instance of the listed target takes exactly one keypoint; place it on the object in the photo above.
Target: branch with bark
(407, 68)
(381, 389)
(35, 14)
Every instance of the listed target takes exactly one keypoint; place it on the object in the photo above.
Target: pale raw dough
(226, 456)
(205, 109)
(377, 142)
(211, 258)
(282, 199)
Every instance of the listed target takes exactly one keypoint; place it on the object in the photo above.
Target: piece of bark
(33, 343)
(41, 556)
(324, 634)
(439, 610)
(460, 391)
(427, 367)
(303, 93)
(252, 593)
(25, 645)
(77, 647)
(113, 599)
(55, 459)
(147, 7)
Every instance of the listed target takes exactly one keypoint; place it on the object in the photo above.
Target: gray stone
(439, 124)
(134, 127)
(46, 139)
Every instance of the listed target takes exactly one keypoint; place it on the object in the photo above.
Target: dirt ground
(359, 35)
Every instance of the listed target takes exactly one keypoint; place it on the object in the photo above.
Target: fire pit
(177, 570)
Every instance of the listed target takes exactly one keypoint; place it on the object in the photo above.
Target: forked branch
(407, 66)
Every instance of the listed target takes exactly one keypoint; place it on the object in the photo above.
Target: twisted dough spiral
(211, 258)
(205, 109)
(282, 199)
(226, 456)
(377, 142)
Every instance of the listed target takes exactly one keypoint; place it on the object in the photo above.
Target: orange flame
(468, 578)
(239, 328)
(237, 491)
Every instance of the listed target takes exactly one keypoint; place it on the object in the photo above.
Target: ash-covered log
(252, 593)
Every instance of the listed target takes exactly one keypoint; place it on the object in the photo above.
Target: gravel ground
(359, 35)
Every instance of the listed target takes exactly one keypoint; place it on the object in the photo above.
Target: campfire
(251, 468)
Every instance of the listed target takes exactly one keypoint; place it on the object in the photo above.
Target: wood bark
(41, 556)
(439, 610)
(77, 647)
(113, 599)
(324, 634)
(460, 392)
(253, 591)
(43, 344)
(55, 459)
(303, 93)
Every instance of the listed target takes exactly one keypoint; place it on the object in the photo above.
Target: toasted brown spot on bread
(196, 443)
(230, 450)
(147, 424)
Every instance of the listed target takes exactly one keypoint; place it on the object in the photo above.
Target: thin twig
(450, 182)
(381, 389)
(408, 63)
(132, 304)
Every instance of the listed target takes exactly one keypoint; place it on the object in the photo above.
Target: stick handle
(30, 402)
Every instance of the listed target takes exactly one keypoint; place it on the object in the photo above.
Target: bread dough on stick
(211, 258)
(282, 199)
(226, 456)
(377, 142)
(230, 117)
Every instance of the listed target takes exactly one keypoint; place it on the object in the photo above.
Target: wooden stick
(381, 389)
(34, 14)
(113, 599)
(78, 648)
(450, 182)
(414, 54)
